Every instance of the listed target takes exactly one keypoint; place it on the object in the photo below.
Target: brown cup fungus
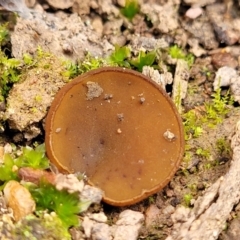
(120, 129)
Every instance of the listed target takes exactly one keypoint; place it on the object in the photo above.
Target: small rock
(69, 182)
(223, 77)
(8, 148)
(200, 186)
(224, 30)
(199, 2)
(224, 59)
(181, 214)
(152, 215)
(202, 30)
(92, 194)
(19, 199)
(235, 88)
(62, 4)
(87, 225)
(30, 3)
(98, 217)
(101, 231)
(175, 201)
(168, 210)
(129, 217)
(194, 12)
(128, 225)
(126, 232)
(35, 175)
(97, 25)
(169, 193)
(196, 49)
(163, 17)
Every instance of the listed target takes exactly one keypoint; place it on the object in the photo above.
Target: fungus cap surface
(120, 129)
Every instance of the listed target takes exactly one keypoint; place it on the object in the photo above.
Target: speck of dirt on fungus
(94, 90)
(130, 159)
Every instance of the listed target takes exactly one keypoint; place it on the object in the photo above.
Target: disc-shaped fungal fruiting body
(119, 128)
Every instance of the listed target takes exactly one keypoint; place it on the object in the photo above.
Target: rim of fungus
(60, 97)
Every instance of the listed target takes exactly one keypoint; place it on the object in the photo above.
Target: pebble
(200, 186)
(69, 182)
(130, 217)
(62, 4)
(223, 77)
(128, 225)
(194, 12)
(87, 225)
(101, 231)
(222, 59)
(92, 194)
(98, 217)
(235, 88)
(168, 210)
(151, 215)
(19, 199)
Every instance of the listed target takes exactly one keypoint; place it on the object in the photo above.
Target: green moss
(4, 34)
(204, 153)
(217, 108)
(223, 146)
(9, 74)
(43, 226)
(30, 157)
(187, 199)
(178, 53)
(130, 9)
(119, 56)
(212, 114)
(64, 204)
(144, 59)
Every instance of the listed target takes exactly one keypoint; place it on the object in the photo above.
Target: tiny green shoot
(223, 146)
(90, 63)
(27, 59)
(204, 153)
(119, 56)
(9, 74)
(144, 59)
(187, 199)
(30, 157)
(177, 53)
(7, 169)
(130, 9)
(35, 158)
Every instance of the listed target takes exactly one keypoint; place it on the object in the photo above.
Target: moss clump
(64, 204)
(211, 114)
(43, 226)
(34, 158)
(130, 9)
(178, 53)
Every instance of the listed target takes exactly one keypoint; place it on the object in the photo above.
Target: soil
(210, 30)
